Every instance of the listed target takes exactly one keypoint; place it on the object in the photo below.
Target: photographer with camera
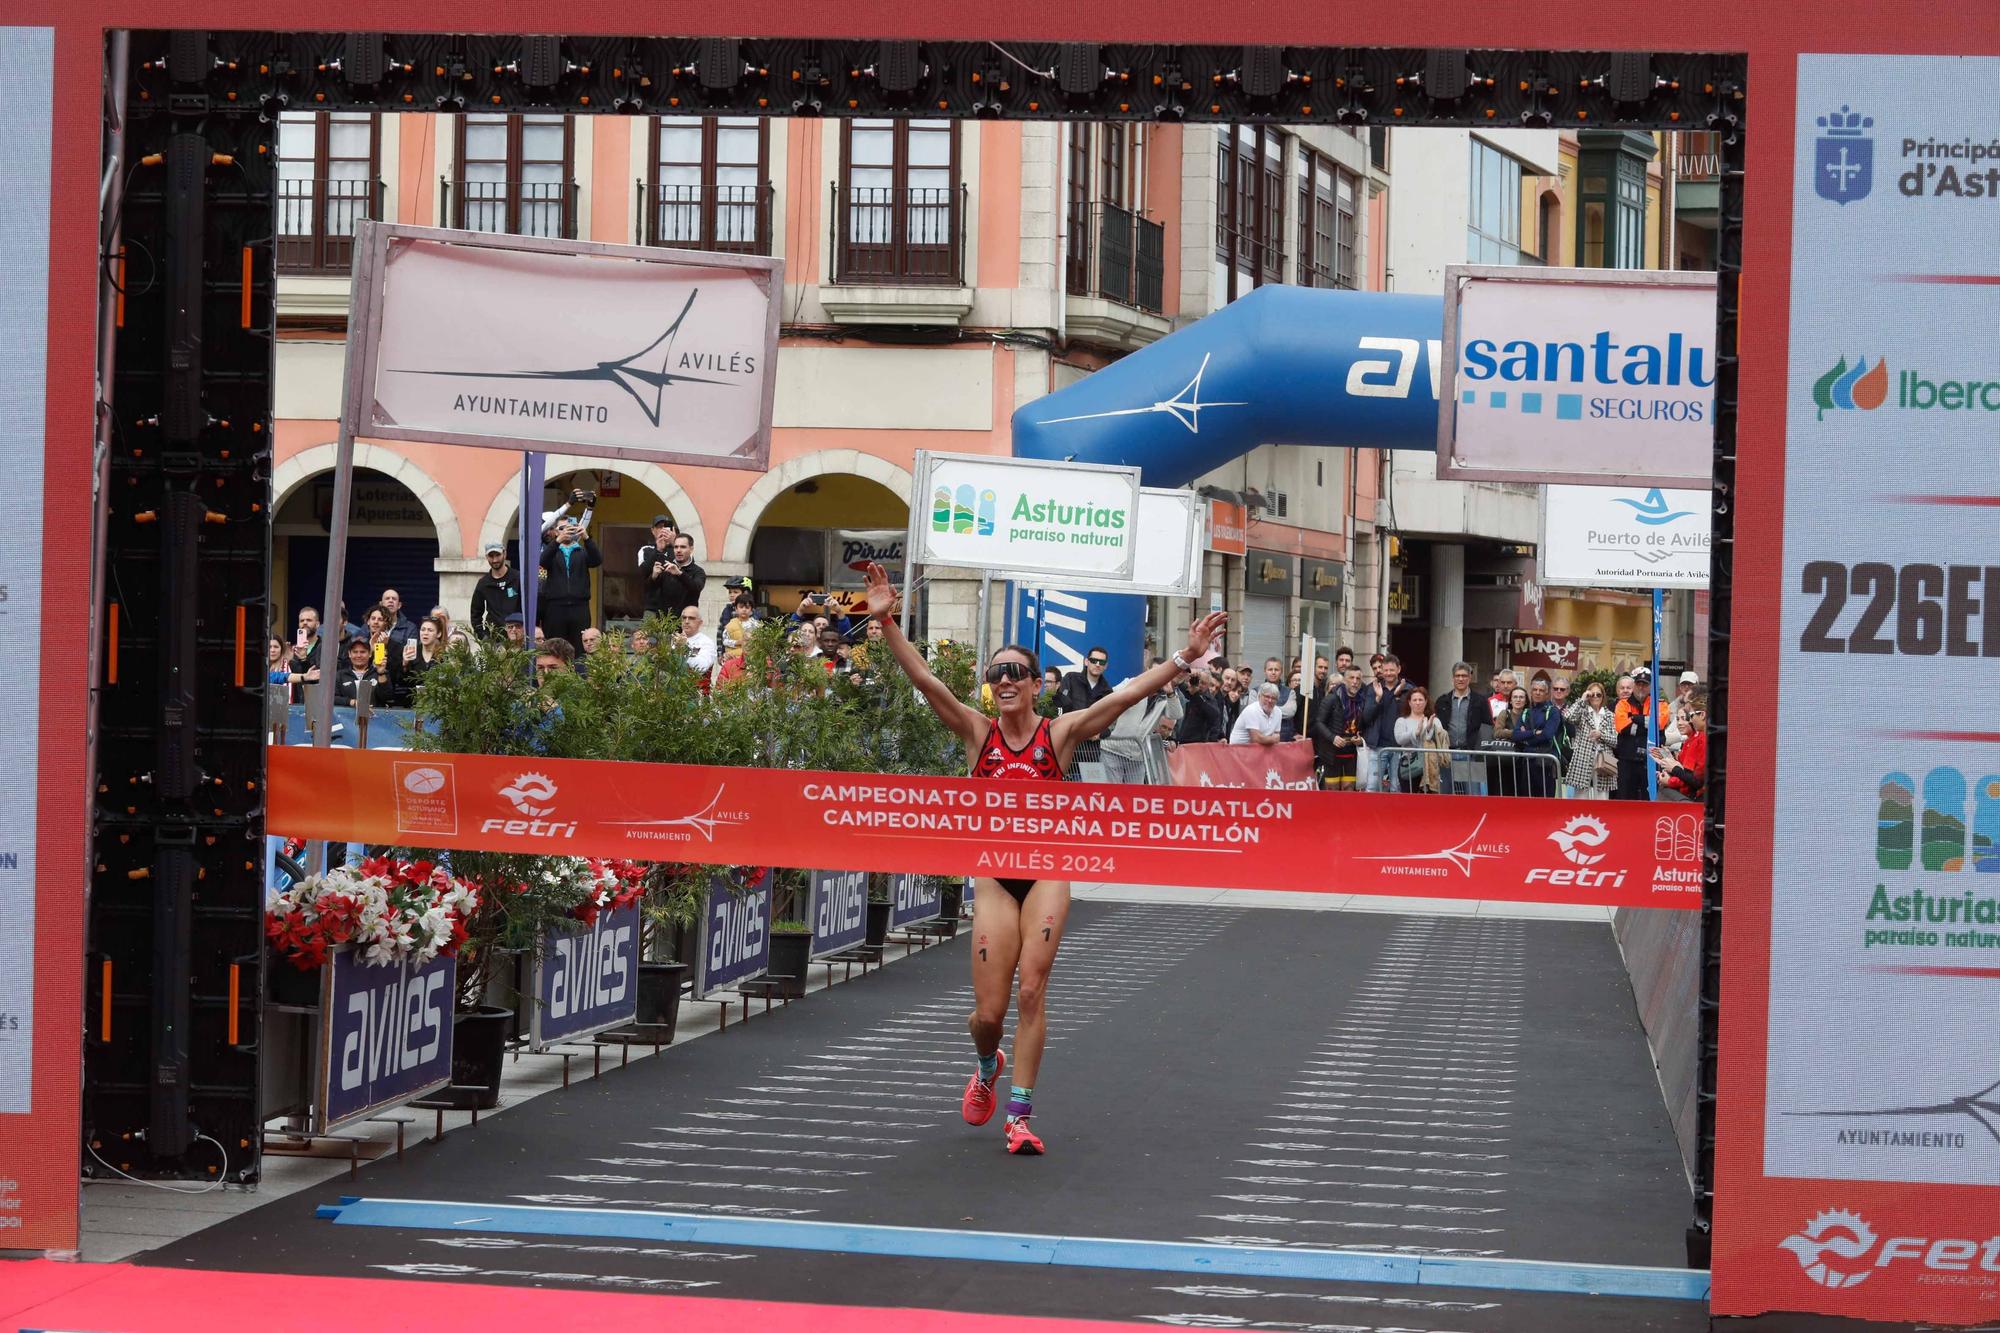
(586, 499)
(815, 606)
(673, 579)
(566, 562)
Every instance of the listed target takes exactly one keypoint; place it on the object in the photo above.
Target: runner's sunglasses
(1000, 671)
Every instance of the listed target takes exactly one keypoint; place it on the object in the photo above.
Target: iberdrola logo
(1846, 387)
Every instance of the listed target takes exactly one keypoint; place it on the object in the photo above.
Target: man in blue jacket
(1381, 704)
(1535, 734)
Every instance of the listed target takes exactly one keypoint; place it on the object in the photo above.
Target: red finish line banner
(1546, 851)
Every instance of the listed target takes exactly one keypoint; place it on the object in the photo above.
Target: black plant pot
(478, 1051)
(659, 1000)
(789, 956)
(950, 899)
(878, 922)
(291, 986)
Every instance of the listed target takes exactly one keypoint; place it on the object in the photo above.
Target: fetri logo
(534, 795)
(1835, 1232)
(1849, 1241)
(1576, 839)
(1845, 387)
(531, 794)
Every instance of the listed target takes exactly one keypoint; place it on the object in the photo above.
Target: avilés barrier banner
(839, 910)
(735, 931)
(1287, 765)
(914, 898)
(1606, 853)
(386, 1034)
(584, 979)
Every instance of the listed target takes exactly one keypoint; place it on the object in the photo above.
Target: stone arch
(303, 466)
(823, 462)
(650, 475)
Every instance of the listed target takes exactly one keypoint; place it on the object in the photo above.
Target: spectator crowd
(1370, 728)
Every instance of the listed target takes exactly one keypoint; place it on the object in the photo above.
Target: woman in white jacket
(1593, 734)
(1419, 730)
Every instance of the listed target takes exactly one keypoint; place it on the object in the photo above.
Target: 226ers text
(1917, 610)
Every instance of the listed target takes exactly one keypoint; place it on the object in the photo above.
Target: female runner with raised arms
(1017, 924)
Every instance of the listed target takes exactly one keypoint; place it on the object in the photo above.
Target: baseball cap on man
(515, 618)
(495, 548)
(1688, 678)
(662, 521)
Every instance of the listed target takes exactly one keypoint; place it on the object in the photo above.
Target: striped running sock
(1020, 1103)
(989, 1066)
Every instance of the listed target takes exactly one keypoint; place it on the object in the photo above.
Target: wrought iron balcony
(889, 236)
(730, 219)
(316, 221)
(519, 208)
(1122, 257)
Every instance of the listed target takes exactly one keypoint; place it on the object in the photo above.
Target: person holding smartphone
(1683, 776)
(1017, 924)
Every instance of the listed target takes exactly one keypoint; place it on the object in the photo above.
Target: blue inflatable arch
(1283, 365)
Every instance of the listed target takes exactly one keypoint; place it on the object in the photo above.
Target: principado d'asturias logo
(1844, 157)
(1967, 167)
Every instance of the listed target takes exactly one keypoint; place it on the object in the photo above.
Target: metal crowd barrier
(1472, 772)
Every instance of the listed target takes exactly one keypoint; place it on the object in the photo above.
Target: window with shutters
(898, 207)
(1327, 243)
(1113, 250)
(329, 164)
(514, 174)
(1249, 209)
(710, 187)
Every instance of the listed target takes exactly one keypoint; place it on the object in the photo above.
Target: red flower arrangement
(391, 911)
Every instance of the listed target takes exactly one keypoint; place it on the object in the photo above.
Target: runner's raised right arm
(963, 719)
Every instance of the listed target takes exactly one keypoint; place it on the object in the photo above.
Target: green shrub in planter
(783, 712)
(791, 954)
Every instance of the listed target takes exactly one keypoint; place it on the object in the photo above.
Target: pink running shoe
(979, 1102)
(1021, 1140)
